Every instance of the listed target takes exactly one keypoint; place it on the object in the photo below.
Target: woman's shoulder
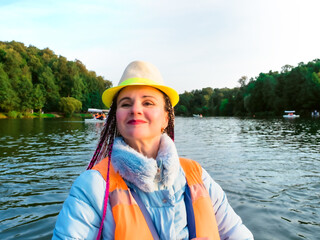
(196, 167)
(81, 212)
(89, 186)
(89, 178)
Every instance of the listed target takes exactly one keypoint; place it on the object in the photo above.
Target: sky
(195, 44)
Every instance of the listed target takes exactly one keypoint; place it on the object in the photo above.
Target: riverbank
(14, 114)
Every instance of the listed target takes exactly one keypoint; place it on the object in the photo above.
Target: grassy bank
(82, 115)
(15, 114)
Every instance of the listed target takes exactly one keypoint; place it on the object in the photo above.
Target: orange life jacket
(133, 222)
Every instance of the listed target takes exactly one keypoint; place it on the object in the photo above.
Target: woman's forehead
(145, 90)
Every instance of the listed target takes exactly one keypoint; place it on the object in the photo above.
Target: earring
(162, 130)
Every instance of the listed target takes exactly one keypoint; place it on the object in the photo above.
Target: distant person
(136, 186)
(100, 116)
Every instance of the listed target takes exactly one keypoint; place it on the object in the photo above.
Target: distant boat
(315, 113)
(95, 110)
(197, 115)
(98, 114)
(290, 114)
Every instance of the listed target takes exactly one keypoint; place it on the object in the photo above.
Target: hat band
(138, 81)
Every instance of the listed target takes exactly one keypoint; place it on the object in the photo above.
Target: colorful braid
(168, 107)
(107, 136)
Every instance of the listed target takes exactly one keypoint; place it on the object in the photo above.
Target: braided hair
(168, 108)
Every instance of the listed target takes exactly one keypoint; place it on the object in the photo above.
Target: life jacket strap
(145, 214)
(190, 213)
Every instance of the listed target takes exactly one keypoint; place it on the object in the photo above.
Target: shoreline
(19, 115)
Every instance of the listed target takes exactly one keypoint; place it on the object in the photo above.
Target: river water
(269, 168)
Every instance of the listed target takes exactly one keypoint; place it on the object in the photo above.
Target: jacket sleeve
(230, 225)
(81, 213)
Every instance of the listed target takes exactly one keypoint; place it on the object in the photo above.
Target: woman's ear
(165, 121)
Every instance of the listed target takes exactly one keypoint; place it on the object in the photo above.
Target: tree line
(34, 79)
(269, 94)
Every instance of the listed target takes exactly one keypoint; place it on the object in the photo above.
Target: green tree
(184, 107)
(69, 105)
(38, 97)
(8, 98)
(51, 90)
(24, 68)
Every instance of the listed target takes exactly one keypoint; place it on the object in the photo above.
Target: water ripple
(269, 169)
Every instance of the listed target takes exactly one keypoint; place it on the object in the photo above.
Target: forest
(269, 94)
(38, 80)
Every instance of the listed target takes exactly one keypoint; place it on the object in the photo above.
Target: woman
(137, 187)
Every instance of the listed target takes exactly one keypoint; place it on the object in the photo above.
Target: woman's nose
(136, 108)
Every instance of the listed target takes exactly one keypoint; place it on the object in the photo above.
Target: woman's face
(141, 114)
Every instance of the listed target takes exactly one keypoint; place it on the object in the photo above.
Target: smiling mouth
(135, 122)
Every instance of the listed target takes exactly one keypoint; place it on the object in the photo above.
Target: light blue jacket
(160, 184)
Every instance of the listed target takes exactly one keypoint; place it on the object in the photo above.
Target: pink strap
(105, 202)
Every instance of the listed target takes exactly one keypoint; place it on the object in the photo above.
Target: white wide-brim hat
(139, 73)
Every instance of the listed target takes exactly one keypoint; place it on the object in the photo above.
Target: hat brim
(108, 95)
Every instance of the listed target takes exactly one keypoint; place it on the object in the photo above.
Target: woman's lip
(134, 122)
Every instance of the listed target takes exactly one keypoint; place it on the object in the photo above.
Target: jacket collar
(146, 173)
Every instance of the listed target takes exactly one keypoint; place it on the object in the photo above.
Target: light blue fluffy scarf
(141, 170)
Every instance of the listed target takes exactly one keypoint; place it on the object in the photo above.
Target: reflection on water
(40, 158)
(269, 169)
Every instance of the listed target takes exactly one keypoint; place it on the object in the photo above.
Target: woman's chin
(139, 137)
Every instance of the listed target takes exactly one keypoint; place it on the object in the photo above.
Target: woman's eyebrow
(146, 96)
(124, 98)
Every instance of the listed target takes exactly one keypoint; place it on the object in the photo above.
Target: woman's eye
(125, 105)
(148, 103)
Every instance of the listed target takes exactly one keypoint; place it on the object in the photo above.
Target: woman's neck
(148, 148)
